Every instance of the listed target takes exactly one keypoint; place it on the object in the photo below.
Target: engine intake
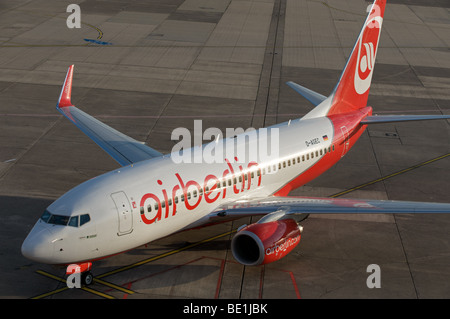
(263, 243)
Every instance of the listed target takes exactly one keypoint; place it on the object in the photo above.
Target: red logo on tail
(365, 61)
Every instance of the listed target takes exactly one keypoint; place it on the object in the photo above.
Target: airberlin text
(230, 309)
(234, 180)
(282, 247)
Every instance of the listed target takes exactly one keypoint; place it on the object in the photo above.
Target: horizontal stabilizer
(379, 119)
(313, 97)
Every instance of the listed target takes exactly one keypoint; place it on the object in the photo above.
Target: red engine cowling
(263, 243)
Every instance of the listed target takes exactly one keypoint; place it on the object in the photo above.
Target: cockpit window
(84, 219)
(50, 218)
(58, 220)
(73, 221)
(45, 216)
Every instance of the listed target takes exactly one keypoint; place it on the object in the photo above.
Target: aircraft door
(124, 212)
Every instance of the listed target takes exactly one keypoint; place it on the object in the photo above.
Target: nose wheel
(87, 278)
(79, 274)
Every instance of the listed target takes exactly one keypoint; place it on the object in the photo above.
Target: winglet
(66, 91)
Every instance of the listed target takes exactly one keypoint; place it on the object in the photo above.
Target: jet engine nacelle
(263, 243)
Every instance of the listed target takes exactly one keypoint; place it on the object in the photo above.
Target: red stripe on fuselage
(347, 131)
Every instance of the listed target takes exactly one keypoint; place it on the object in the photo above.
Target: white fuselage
(139, 203)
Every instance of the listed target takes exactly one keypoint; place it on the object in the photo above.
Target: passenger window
(195, 193)
(149, 208)
(303, 158)
(312, 155)
(84, 219)
(163, 204)
(317, 153)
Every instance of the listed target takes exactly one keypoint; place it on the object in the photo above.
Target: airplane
(150, 196)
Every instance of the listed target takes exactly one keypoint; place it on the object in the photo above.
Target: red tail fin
(352, 91)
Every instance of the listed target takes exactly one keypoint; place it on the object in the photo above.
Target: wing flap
(124, 149)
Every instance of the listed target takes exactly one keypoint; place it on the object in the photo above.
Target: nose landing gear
(79, 274)
(87, 278)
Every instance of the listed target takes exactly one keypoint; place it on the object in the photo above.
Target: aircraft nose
(37, 246)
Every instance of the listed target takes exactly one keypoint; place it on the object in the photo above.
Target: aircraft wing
(318, 205)
(299, 207)
(124, 149)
